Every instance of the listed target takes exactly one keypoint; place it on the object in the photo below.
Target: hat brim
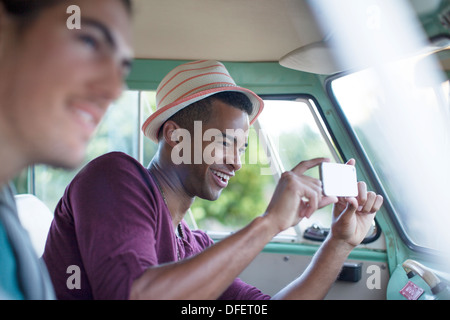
(152, 125)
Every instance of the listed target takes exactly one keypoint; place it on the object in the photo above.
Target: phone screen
(338, 180)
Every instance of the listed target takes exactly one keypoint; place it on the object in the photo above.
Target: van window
(294, 132)
(401, 121)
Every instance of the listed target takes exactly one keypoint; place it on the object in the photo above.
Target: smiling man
(55, 86)
(122, 226)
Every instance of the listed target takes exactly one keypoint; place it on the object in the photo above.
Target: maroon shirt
(112, 223)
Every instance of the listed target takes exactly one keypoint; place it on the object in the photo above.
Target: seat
(36, 218)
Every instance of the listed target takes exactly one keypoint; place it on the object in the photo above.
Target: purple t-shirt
(110, 226)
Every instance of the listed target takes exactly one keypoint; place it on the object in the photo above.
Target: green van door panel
(284, 262)
(310, 250)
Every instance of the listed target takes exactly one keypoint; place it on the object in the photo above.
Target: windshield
(402, 121)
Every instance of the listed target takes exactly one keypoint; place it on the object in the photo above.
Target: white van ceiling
(238, 30)
(227, 30)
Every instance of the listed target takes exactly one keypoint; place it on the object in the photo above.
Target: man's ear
(169, 133)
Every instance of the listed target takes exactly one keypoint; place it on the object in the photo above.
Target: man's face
(224, 139)
(57, 82)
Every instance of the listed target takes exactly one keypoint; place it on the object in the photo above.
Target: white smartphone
(338, 179)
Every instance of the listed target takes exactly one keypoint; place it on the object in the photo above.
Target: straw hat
(191, 82)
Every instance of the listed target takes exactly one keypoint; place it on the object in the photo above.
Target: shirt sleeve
(238, 290)
(114, 218)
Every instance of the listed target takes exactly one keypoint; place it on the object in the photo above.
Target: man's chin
(65, 160)
(212, 195)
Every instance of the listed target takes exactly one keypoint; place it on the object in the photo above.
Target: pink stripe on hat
(176, 86)
(209, 85)
(178, 73)
(191, 82)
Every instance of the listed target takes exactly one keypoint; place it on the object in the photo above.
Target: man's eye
(90, 41)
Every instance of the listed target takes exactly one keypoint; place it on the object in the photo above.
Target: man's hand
(352, 217)
(297, 196)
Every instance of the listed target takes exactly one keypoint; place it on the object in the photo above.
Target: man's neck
(12, 162)
(172, 191)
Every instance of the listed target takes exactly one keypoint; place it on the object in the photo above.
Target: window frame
(370, 171)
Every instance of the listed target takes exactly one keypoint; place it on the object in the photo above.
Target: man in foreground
(55, 87)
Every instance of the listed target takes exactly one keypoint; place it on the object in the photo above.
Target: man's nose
(235, 160)
(110, 84)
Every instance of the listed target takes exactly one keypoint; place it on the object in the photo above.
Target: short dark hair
(27, 10)
(26, 7)
(202, 110)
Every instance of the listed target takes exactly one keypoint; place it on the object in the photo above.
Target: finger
(378, 203)
(306, 208)
(313, 197)
(352, 207)
(306, 181)
(362, 193)
(348, 204)
(352, 204)
(327, 200)
(310, 180)
(303, 166)
(351, 162)
(368, 205)
(310, 201)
